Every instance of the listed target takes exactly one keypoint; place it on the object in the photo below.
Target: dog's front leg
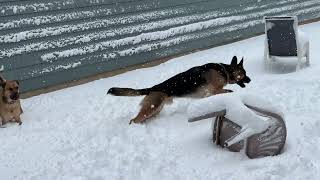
(18, 120)
(216, 87)
(227, 90)
(2, 122)
(218, 90)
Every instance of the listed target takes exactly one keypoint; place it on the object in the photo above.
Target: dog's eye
(10, 89)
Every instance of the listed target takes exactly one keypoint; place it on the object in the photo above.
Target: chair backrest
(281, 35)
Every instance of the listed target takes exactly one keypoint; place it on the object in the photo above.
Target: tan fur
(10, 110)
(215, 85)
(153, 103)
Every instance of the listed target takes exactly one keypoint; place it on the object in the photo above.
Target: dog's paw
(133, 121)
(3, 126)
(241, 84)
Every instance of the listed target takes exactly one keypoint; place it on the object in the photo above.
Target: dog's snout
(14, 96)
(247, 79)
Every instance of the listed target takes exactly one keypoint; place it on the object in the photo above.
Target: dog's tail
(128, 91)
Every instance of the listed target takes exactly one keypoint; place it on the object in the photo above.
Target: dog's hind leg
(152, 104)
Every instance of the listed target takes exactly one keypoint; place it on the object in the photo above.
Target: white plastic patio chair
(244, 122)
(283, 39)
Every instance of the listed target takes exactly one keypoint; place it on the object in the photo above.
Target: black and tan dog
(10, 107)
(199, 81)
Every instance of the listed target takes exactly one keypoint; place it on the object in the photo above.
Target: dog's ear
(234, 61)
(2, 81)
(241, 63)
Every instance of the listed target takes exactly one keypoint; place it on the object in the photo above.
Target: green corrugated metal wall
(44, 42)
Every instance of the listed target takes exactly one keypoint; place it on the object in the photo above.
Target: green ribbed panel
(45, 42)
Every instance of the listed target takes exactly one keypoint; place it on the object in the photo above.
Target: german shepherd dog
(10, 107)
(200, 81)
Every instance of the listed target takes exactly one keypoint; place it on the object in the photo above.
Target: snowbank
(236, 111)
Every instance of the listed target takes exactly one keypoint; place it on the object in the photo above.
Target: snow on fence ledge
(46, 43)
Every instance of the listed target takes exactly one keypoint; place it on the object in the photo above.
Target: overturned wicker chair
(267, 143)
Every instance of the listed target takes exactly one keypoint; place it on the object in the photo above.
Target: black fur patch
(185, 82)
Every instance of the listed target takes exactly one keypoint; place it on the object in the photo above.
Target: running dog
(10, 107)
(200, 81)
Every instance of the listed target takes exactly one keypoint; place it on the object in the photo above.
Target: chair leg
(299, 64)
(299, 67)
(242, 135)
(307, 55)
(267, 59)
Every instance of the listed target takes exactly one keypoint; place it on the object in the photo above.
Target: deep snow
(81, 133)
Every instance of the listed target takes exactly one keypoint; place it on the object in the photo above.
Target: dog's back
(186, 82)
(182, 84)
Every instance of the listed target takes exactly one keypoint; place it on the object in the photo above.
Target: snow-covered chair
(246, 123)
(283, 39)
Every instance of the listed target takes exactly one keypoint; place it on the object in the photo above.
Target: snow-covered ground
(81, 133)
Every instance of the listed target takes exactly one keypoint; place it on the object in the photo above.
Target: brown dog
(10, 107)
(199, 81)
